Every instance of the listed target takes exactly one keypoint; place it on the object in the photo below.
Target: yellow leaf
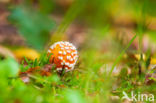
(153, 60)
(26, 52)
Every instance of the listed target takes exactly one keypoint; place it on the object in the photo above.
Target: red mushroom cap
(64, 55)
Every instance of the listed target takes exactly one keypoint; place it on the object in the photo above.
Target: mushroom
(63, 55)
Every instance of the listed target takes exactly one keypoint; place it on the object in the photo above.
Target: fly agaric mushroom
(63, 55)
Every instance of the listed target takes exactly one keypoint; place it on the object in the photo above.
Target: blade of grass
(122, 53)
(72, 13)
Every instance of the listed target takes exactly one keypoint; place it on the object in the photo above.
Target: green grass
(87, 83)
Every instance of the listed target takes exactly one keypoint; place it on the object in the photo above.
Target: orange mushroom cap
(64, 55)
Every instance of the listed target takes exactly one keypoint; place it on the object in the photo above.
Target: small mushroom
(63, 55)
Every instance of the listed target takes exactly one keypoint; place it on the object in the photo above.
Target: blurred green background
(112, 38)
